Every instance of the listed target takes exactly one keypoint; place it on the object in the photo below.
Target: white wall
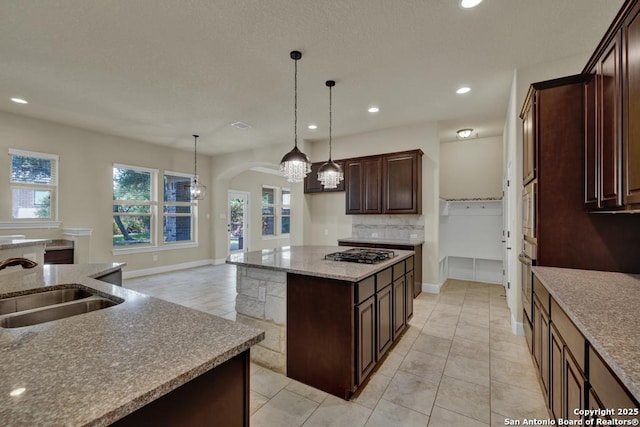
(85, 184)
(471, 168)
(252, 182)
(326, 211)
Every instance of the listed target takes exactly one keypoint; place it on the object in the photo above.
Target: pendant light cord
(330, 103)
(195, 158)
(295, 104)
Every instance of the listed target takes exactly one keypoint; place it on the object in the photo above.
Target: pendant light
(330, 174)
(196, 191)
(295, 164)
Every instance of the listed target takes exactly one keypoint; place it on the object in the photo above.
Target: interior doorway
(238, 225)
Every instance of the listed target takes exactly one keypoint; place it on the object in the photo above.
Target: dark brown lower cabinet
(573, 398)
(384, 325)
(399, 313)
(541, 342)
(217, 397)
(366, 326)
(409, 293)
(555, 377)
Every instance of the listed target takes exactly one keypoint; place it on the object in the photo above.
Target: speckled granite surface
(605, 308)
(95, 368)
(309, 260)
(58, 245)
(18, 243)
(409, 242)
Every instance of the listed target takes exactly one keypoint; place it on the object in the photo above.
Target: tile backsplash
(388, 226)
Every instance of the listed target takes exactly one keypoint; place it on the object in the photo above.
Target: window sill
(278, 237)
(144, 249)
(17, 225)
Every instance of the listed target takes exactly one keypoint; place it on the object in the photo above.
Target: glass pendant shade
(295, 165)
(196, 191)
(330, 174)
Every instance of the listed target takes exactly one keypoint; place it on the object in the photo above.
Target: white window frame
(153, 207)
(52, 221)
(277, 212)
(193, 215)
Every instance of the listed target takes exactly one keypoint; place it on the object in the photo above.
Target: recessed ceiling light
(19, 100)
(463, 89)
(312, 127)
(464, 133)
(240, 125)
(373, 109)
(468, 4)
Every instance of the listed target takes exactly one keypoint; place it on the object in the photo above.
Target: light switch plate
(262, 293)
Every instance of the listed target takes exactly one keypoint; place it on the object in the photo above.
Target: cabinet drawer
(542, 294)
(409, 264)
(398, 270)
(63, 256)
(573, 339)
(365, 289)
(383, 278)
(612, 394)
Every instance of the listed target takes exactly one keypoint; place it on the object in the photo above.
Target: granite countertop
(58, 245)
(95, 368)
(18, 243)
(604, 307)
(309, 260)
(384, 241)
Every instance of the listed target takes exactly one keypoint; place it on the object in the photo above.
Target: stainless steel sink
(41, 299)
(47, 305)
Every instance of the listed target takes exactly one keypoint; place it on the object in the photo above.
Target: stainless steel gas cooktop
(361, 255)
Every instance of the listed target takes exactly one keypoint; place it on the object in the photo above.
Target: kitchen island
(328, 323)
(141, 360)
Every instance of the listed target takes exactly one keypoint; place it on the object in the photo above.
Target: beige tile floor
(458, 364)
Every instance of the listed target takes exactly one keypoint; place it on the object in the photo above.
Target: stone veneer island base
(327, 323)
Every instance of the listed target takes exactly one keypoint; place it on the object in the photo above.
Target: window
(276, 211)
(134, 205)
(178, 217)
(34, 185)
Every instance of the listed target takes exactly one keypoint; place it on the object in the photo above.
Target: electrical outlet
(374, 234)
(326, 232)
(413, 236)
(155, 258)
(262, 293)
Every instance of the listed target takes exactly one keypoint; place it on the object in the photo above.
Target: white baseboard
(517, 327)
(432, 288)
(168, 268)
(218, 261)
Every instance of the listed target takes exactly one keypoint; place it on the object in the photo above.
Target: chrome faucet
(24, 262)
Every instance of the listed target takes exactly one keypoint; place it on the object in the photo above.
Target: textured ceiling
(160, 70)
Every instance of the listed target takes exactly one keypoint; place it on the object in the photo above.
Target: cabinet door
(590, 144)
(556, 382)
(354, 183)
(409, 294)
(402, 183)
(609, 103)
(399, 312)
(631, 99)
(365, 338)
(384, 323)
(595, 404)
(529, 142)
(372, 185)
(311, 183)
(574, 388)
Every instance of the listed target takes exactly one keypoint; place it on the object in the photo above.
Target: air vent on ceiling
(240, 125)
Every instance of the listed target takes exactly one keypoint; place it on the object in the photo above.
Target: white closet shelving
(471, 240)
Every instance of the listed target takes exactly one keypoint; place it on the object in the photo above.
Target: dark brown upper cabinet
(384, 184)
(612, 104)
(312, 185)
(529, 157)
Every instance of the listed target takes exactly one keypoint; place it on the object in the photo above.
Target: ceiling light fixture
(373, 109)
(330, 174)
(19, 101)
(468, 4)
(196, 191)
(295, 165)
(312, 127)
(464, 133)
(463, 90)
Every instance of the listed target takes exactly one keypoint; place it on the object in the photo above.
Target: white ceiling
(160, 70)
